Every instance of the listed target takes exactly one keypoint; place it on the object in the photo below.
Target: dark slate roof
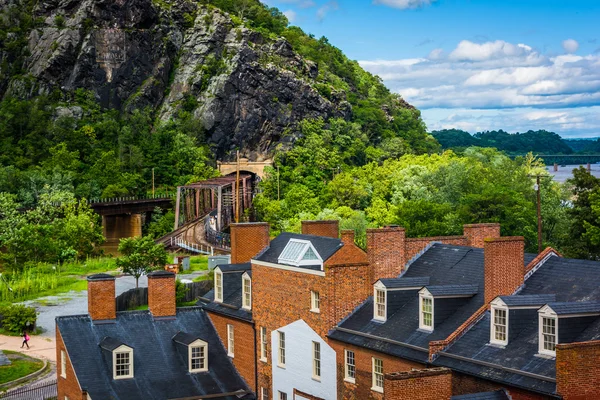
(398, 283)
(234, 267)
(528, 300)
(497, 395)
(576, 307)
(453, 290)
(569, 280)
(110, 343)
(325, 246)
(232, 293)
(185, 338)
(444, 265)
(160, 370)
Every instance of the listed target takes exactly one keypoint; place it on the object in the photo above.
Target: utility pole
(152, 181)
(237, 189)
(537, 187)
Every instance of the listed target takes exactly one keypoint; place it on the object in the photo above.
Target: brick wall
(415, 245)
(361, 389)
(101, 297)
(466, 384)
(385, 250)
(68, 386)
(425, 384)
(243, 338)
(503, 266)
(476, 233)
(328, 228)
(247, 240)
(578, 370)
(161, 294)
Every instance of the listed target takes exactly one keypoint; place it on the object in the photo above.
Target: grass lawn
(197, 263)
(21, 365)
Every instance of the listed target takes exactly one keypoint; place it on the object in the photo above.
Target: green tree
(140, 256)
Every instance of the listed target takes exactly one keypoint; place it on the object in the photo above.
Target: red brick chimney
(328, 228)
(476, 233)
(161, 294)
(347, 236)
(386, 251)
(101, 297)
(247, 240)
(504, 267)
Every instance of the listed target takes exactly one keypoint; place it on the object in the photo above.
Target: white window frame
(230, 340)
(377, 289)
(63, 364)
(547, 313)
(282, 395)
(375, 374)
(425, 295)
(263, 344)
(122, 350)
(315, 301)
(316, 370)
(298, 261)
(281, 349)
(498, 305)
(218, 285)
(347, 377)
(198, 344)
(264, 393)
(246, 293)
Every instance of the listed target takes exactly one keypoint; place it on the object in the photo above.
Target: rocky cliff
(248, 89)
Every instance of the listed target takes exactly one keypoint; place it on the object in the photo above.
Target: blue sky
(474, 64)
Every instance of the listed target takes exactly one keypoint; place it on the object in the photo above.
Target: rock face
(248, 91)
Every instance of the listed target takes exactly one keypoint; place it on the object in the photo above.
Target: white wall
(299, 363)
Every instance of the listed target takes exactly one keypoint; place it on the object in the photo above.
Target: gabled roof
(234, 267)
(232, 292)
(110, 344)
(530, 300)
(185, 338)
(452, 290)
(401, 283)
(160, 371)
(575, 307)
(497, 395)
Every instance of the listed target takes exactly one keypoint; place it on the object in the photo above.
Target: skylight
(299, 252)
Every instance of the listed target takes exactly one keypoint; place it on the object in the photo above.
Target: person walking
(25, 339)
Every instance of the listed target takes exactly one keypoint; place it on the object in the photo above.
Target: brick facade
(161, 294)
(426, 384)
(69, 386)
(247, 240)
(503, 266)
(578, 370)
(244, 344)
(327, 228)
(477, 233)
(385, 250)
(466, 384)
(101, 297)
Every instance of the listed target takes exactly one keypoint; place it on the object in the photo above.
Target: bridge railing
(219, 239)
(193, 247)
(162, 196)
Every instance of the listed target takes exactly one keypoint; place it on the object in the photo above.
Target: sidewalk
(39, 347)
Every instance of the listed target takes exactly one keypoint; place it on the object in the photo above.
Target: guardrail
(40, 391)
(166, 196)
(193, 247)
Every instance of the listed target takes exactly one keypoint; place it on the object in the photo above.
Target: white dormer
(499, 322)
(122, 362)
(547, 331)
(379, 302)
(246, 291)
(198, 356)
(300, 252)
(218, 285)
(425, 310)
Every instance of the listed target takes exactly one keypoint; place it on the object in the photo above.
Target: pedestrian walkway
(39, 347)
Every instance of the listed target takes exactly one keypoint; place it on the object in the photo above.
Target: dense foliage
(15, 318)
(141, 255)
(540, 142)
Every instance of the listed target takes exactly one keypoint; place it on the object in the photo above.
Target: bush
(180, 290)
(17, 317)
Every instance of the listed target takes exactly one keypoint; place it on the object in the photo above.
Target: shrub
(180, 290)
(17, 317)
(59, 21)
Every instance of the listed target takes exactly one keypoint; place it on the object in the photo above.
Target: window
(263, 344)
(281, 355)
(299, 252)
(315, 301)
(316, 360)
(548, 333)
(499, 330)
(218, 285)
(246, 292)
(377, 375)
(230, 341)
(350, 369)
(282, 396)
(198, 357)
(63, 364)
(426, 314)
(123, 363)
(380, 312)
(264, 394)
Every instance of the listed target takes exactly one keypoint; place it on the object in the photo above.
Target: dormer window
(218, 285)
(198, 356)
(548, 331)
(499, 323)
(379, 301)
(246, 291)
(299, 252)
(425, 311)
(123, 362)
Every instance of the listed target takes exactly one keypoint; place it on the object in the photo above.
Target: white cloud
(290, 15)
(404, 4)
(570, 45)
(497, 76)
(299, 3)
(326, 8)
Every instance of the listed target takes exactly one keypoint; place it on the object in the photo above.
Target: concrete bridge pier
(117, 227)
